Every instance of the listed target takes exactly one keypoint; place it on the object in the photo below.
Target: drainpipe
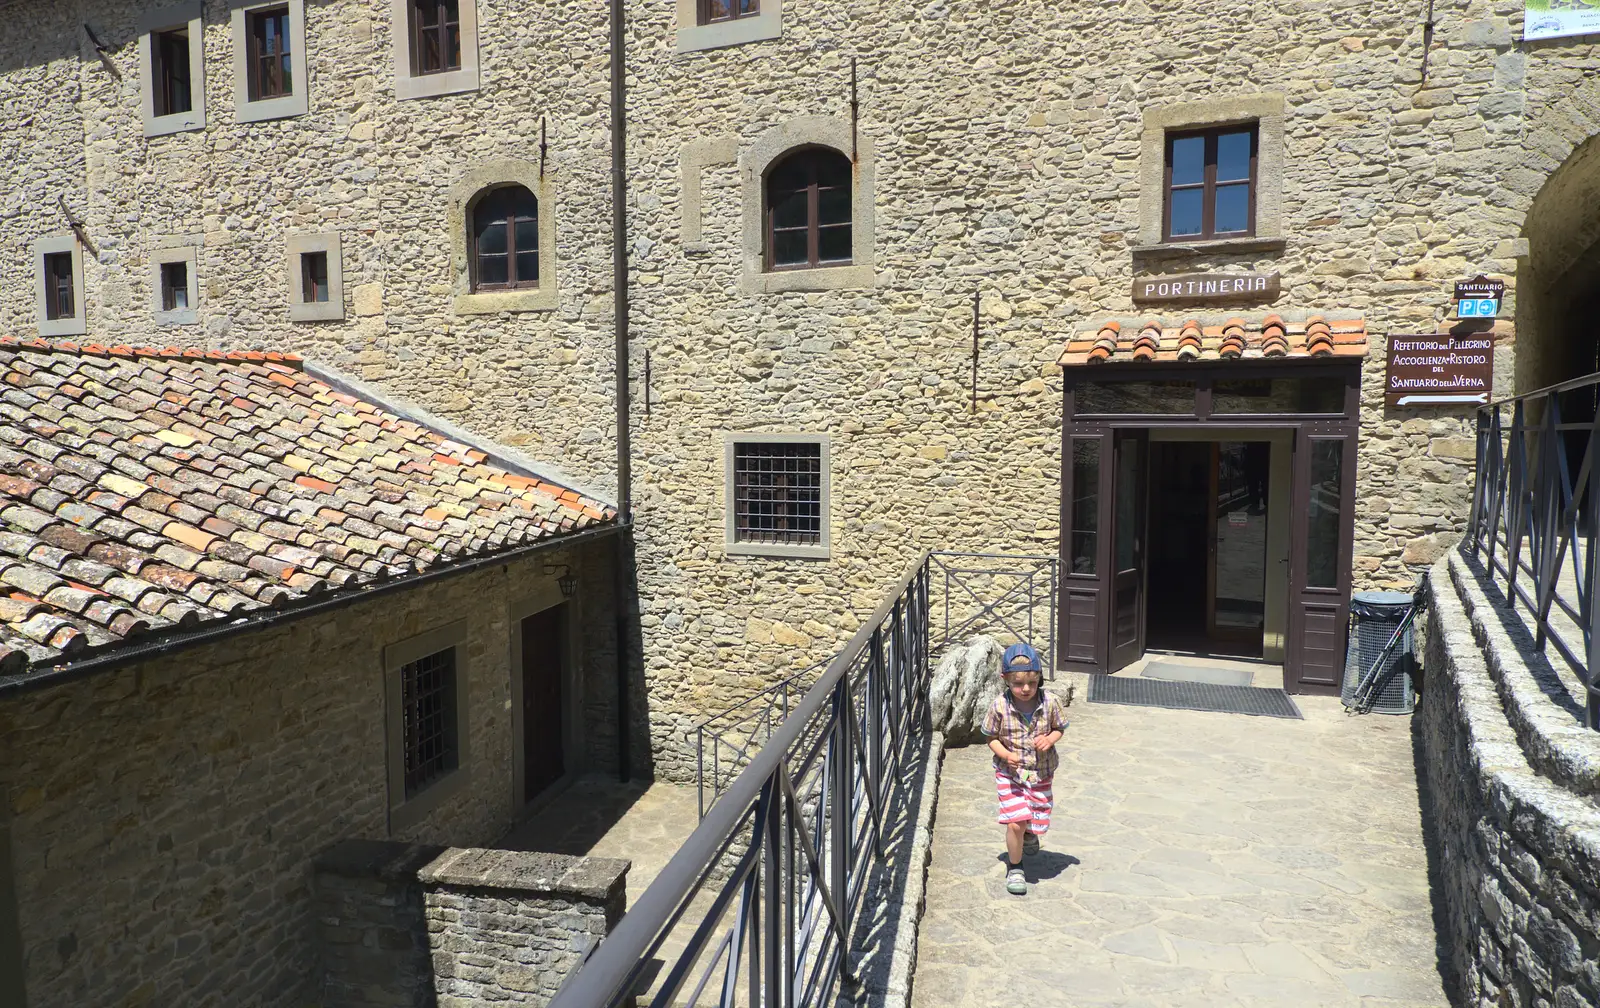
(619, 303)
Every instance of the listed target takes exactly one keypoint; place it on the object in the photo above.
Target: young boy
(1023, 725)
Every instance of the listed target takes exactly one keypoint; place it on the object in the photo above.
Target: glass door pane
(1240, 539)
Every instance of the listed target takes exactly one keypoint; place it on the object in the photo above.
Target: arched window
(808, 210)
(503, 225)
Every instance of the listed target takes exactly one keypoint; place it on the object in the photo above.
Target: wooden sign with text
(1206, 288)
(1439, 369)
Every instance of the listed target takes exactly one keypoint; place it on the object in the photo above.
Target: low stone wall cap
(537, 872)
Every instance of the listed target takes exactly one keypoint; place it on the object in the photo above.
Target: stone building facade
(1006, 155)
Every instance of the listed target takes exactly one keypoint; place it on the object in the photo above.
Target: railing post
(873, 715)
(840, 758)
(774, 921)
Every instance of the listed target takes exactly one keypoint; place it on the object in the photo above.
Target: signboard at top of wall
(1541, 21)
(1437, 369)
(1206, 287)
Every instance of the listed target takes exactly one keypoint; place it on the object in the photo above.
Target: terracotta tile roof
(150, 492)
(1267, 338)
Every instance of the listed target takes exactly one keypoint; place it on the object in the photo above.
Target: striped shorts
(1019, 802)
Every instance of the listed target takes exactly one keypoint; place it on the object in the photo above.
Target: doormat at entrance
(1136, 691)
(1212, 674)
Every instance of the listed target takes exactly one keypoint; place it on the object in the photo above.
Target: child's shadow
(1046, 864)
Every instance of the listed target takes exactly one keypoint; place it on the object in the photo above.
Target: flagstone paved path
(1195, 859)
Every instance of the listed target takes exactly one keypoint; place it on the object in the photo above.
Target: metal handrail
(855, 768)
(1534, 522)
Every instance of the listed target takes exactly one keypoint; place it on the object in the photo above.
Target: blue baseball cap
(1020, 657)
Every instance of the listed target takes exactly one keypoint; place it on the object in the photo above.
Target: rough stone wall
(1007, 147)
(1517, 852)
(506, 927)
(414, 926)
(164, 816)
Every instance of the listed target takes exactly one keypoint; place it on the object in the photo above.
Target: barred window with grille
(777, 493)
(428, 719)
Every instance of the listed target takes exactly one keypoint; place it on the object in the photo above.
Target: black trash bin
(1374, 616)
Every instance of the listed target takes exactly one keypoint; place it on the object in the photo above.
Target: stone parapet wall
(1518, 853)
(1009, 161)
(413, 926)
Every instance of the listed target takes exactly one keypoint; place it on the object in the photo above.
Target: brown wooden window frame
(267, 72)
(512, 252)
(60, 297)
(1209, 185)
(707, 13)
(170, 70)
(813, 225)
(314, 280)
(441, 31)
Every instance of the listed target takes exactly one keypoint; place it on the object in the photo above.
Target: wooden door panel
(1082, 611)
(1129, 541)
(1322, 640)
(543, 723)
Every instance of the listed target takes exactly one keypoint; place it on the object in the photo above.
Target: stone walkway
(1195, 859)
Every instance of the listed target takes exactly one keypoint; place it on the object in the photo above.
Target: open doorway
(1208, 546)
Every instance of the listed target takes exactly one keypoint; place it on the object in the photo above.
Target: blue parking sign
(1478, 308)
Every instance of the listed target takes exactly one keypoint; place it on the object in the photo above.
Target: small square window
(314, 277)
(428, 719)
(174, 286)
(777, 493)
(1211, 184)
(60, 301)
(174, 90)
(271, 68)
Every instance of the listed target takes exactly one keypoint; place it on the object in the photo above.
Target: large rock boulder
(965, 683)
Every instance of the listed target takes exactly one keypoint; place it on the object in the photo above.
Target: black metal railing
(759, 906)
(1535, 514)
(1012, 595)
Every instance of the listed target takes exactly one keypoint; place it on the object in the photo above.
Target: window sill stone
(493, 302)
(1175, 250)
(764, 26)
(777, 550)
(823, 278)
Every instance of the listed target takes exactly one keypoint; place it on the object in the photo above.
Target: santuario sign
(1206, 287)
(1439, 368)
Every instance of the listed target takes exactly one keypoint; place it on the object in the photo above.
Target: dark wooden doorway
(543, 726)
(1295, 422)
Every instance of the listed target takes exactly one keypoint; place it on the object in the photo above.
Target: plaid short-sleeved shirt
(1016, 730)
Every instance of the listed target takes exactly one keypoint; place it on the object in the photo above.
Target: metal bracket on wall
(855, 109)
(976, 296)
(103, 51)
(543, 147)
(1427, 43)
(647, 382)
(77, 227)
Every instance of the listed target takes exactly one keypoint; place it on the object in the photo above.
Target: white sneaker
(1016, 882)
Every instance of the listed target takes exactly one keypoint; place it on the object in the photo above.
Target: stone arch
(1558, 281)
